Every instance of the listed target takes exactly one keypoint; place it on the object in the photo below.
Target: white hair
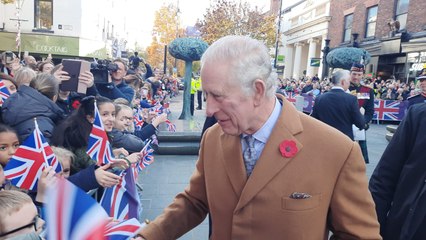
(249, 60)
(337, 77)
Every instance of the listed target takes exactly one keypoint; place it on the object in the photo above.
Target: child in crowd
(65, 157)
(8, 143)
(123, 137)
(19, 218)
(73, 134)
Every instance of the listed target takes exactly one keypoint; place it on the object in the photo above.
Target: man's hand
(366, 127)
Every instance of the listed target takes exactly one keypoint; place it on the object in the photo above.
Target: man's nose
(211, 106)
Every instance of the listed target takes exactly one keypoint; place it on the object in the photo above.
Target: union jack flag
(25, 167)
(387, 110)
(122, 230)
(170, 126)
(99, 148)
(122, 201)
(73, 214)
(147, 156)
(291, 97)
(138, 120)
(4, 93)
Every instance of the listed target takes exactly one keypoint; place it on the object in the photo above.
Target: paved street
(169, 174)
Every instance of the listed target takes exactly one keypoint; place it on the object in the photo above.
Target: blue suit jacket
(339, 110)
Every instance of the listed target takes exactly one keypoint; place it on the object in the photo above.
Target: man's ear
(260, 90)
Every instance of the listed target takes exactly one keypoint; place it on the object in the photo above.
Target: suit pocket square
(299, 195)
(299, 201)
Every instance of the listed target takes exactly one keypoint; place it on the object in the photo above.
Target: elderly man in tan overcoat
(265, 170)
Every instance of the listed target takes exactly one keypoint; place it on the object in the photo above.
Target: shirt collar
(338, 87)
(265, 131)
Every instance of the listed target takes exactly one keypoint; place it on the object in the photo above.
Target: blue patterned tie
(249, 154)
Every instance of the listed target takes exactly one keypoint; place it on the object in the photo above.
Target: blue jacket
(112, 91)
(85, 179)
(20, 109)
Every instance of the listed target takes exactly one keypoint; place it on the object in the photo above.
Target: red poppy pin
(288, 148)
(75, 104)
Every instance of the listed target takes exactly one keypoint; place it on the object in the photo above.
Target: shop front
(60, 47)
(42, 45)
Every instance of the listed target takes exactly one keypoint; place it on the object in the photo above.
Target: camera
(101, 70)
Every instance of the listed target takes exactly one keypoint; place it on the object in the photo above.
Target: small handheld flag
(25, 167)
(99, 147)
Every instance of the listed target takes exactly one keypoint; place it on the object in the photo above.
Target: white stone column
(310, 71)
(321, 55)
(297, 59)
(288, 61)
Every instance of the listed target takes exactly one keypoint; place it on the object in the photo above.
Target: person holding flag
(132, 141)
(85, 133)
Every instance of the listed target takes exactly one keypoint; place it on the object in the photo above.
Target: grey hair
(249, 60)
(339, 75)
(24, 76)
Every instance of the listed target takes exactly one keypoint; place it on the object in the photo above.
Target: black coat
(20, 109)
(398, 184)
(132, 142)
(339, 110)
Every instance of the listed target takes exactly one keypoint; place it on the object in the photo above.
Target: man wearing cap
(419, 98)
(365, 97)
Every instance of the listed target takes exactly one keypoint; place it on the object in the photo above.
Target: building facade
(63, 28)
(305, 26)
(392, 31)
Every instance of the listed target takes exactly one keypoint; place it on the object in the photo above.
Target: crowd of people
(265, 170)
(389, 89)
(128, 104)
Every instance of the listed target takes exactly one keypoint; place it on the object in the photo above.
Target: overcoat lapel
(271, 162)
(233, 162)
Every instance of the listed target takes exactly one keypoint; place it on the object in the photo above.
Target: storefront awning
(38, 43)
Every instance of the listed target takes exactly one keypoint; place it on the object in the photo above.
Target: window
(370, 29)
(43, 14)
(348, 28)
(401, 12)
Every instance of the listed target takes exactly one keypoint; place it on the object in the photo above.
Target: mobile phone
(74, 67)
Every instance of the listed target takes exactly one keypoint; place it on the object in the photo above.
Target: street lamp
(278, 34)
(325, 51)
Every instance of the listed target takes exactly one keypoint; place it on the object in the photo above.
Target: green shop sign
(45, 44)
(315, 62)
